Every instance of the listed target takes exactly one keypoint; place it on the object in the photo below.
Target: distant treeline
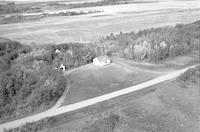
(40, 6)
(16, 18)
(98, 3)
(17, 8)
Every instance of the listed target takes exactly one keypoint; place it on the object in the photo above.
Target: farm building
(62, 67)
(57, 51)
(101, 60)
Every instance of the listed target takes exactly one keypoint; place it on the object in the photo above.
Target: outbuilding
(62, 67)
(101, 60)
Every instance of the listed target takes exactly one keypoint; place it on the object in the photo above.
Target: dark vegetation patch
(11, 7)
(104, 2)
(191, 75)
(16, 18)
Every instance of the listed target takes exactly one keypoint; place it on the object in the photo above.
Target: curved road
(88, 102)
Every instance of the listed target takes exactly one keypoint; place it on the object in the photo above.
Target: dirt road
(85, 103)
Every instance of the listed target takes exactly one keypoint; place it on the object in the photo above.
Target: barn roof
(102, 58)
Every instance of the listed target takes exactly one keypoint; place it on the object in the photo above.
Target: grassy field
(92, 81)
(116, 18)
(170, 106)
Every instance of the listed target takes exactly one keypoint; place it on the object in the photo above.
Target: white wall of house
(101, 63)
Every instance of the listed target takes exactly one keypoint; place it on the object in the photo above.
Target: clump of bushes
(191, 74)
(154, 44)
(11, 7)
(9, 51)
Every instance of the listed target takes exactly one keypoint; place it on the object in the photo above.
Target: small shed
(57, 51)
(101, 60)
(62, 67)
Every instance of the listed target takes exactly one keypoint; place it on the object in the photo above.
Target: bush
(186, 76)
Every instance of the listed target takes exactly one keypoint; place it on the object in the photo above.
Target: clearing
(169, 106)
(90, 81)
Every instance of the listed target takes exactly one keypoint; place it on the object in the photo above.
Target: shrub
(189, 73)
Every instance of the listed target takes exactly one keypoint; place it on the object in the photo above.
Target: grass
(92, 81)
(162, 108)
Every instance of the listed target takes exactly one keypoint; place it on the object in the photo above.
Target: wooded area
(154, 44)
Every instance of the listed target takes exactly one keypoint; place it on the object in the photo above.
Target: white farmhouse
(101, 60)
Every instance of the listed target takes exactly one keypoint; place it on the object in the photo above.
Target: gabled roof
(58, 51)
(103, 58)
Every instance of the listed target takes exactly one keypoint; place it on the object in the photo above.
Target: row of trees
(153, 44)
(18, 8)
(72, 54)
(99, 3)
(15, 18)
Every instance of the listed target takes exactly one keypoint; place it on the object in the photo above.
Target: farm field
(114, 19)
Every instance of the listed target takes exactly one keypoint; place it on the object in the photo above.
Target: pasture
(90, 81)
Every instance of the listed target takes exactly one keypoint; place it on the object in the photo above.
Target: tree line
(155, 44)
